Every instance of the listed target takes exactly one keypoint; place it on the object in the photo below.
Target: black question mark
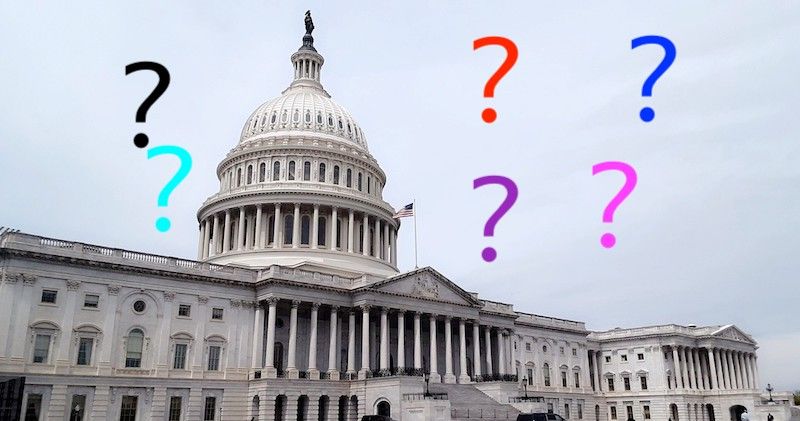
(141, 140)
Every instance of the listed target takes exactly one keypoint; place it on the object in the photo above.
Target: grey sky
(709, 235)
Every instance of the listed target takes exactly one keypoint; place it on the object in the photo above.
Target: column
(684, 372)
(401, 339)
(312, 342)
(384, 350)
(215, 236)
(291, 365)
(700, 382)
(731, 369)
(258, 337)
(750, 373)
(462, 352)
(334, 228)
(755, 371)
(350, 222)
(226, 233)
(501, 353)
(332, 343)
(201, 228)
(598, 356)
(377, 239)
(206, 238)
(270, 356)
(241, 235)
(296, 227)
(487, 336)
(449, 377)
(61, 350)
(386, 248)
(365, 235)
(393, 242)
(434, 366)
(726, 374)
(417, 341)
(476, 349)
(712, 368)
(720, 368)
(364, 341)
(737, 365)
(109, 321)
(745, 370)
(351, 342)
(259, 236)
(277, 230)
(315, 228)
(687, 353)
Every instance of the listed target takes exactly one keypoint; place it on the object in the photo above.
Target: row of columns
(502, 341)
(713, 368)
(219, 233)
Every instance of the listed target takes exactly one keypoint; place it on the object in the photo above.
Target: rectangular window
(627, 382)
(640, 357)
(127, 411)
(550, 408)
(574, 352)
(213, 358)
(610, 384)
(644, 382)
(608, 358)
(216, 313)
(527, 346)
(563, 379)
(210, 411)
(566, 410)
(184, 310)
(91, 301)
(179, 361)
(580, 411)
(624, 357)
(85, 351)
(49, 296)
(41, 348)
(33, 409)
(77, 411)
(175, 408)
(530, 377)
(629, 410)
(577, 379)
(613, 412)
(646, 410)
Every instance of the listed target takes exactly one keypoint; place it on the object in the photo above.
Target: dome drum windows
(321, 174)
(349, 180)
(238, 177)
(307, 171)
(290, 171)
(262, 172)
(276, 170)
(249, 174)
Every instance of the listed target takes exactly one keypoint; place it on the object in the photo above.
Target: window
(549, 407)
(175, 408)
(33, 409)
(321, 230)
(629, 410)
(349, 180)
(127, 410)
(530, 377)
(249, 174)
(133, 350)
(288, 233)
(566, 410)
(546, 374)
(91, 301)
(238, 177)
(210, 409)
(139, 306)
(276, 170)
(527, 346)
(580, 411)
(77, 411)
(643, 381)
(41, 349)
(179, 360)
(290, 173)
(262, 175)
(306, 171)
(626, 381)
(321, 175)
(577, 379)
(369, 183)
(608, 358)
(216, 313)
(319, 118)
(213, 358)
(359, 181)
(544, 348)
(185, 310)
(574, 352)
(561, 350)
(49, 296)
(640, 357)
(646, 410)
(336, 174)
(613, 412)
(305, 229)
(563, 379)
(85, 351)
(610, 384)
(624, 357)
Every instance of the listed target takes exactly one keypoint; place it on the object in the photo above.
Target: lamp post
(770, 389)
(427, 377)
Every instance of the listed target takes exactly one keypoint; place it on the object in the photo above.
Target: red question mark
(489, 115)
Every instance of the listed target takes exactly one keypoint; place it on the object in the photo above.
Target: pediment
(733, 333)
(425, 283)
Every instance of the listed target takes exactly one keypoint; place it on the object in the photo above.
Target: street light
(427, 377)
(525, 385)
(770, 389)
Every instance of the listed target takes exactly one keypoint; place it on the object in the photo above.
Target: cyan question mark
(647, 114)
(162, 223)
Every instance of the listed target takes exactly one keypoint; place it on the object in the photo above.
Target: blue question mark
(162, 223)
(647, 114)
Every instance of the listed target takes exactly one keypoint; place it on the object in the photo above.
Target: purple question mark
(489, 254)
(608, 240)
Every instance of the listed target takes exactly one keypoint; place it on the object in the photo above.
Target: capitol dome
(300, 188)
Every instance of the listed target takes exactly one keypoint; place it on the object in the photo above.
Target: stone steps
(469, 403)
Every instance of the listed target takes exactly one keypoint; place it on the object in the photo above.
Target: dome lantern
(307, 61)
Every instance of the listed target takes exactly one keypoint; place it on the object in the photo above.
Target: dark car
(376, 418)
(539, 416)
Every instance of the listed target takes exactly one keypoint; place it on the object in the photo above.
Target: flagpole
(416, 263)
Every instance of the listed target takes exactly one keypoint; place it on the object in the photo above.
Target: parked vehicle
(376, 418)
(539, 416)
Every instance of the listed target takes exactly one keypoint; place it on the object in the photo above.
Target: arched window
(133, 349)
(321, 172)
(290, 171)
(274, 117)
(349, 177)
(276, 170)
(307, 171)
(287, 229)
(546, 374)
(305, 227)
(256, 406)
(280, 407)
(308, 116)
(262, 172)
(369, 184)
(384, 409)
(249, 174)
(296, 116)
(321, 230)
(359, 181)
(336, 174)
(238, 177)
(319, 118)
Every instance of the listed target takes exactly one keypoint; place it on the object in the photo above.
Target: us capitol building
(295, 310)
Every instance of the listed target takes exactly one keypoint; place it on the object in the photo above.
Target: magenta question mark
(608, 240)
(489, 254)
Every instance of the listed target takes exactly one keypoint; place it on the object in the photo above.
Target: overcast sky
(709, 235)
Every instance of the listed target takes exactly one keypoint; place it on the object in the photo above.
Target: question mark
(647, 114)
(488, 253)
(162, 223)
(489, 115)
(608, 240)
(141, 140)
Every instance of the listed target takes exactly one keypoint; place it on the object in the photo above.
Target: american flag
(405, 212)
